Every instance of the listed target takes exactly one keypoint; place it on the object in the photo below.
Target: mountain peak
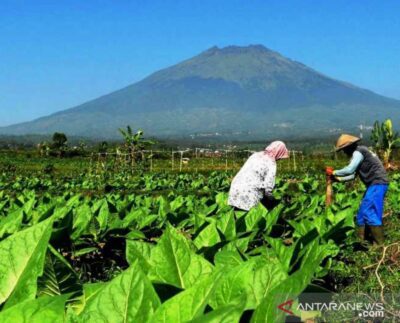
(233, 49)
(230, 89)
(253, 67)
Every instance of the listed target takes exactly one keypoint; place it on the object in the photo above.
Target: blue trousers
(371, 209)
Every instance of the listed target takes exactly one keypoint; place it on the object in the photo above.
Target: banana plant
(134, 142)
(376, 135)
(385, 140)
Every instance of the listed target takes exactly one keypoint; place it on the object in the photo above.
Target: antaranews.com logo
(340, 307)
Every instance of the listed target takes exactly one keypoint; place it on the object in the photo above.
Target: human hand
(329, 171)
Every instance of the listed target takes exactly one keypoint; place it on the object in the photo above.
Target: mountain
(233, 91)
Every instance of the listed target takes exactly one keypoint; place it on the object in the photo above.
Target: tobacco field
(167, 248)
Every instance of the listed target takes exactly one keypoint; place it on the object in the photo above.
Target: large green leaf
(272, 217)
(58, 276)
(146, 220)
(290, 288)
(177, 203)
(28, 205)
(265, 278)
(174, 262)
(240, 244)
(79, 302)
(129, 297)
(188, 304)
(43, 309)
(227, 314)
(11, 223)
(233, 286)
(22, 258)
(208, 237)
(282, 252)
(254, 216)
(226, 224)
(139, 251)
(103, 215)
(227, 259)
(164, 207)
(250, 280)
(82, 218)
(222, 199)
(130, 218)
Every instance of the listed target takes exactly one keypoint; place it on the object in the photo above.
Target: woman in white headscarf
(256, 179)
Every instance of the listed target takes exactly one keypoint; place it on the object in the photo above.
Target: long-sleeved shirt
(255, 178)
(367, 165)
(349, 172)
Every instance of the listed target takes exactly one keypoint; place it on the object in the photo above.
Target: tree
(59, 142)
(102, 148)
(59, 139)
(134, 143)
(385, 140)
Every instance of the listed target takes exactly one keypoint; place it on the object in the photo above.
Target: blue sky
(57, 54)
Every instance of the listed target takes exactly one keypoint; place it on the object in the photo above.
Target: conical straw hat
(345, 140)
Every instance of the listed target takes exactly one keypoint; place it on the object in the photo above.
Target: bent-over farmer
(256, 179)
(370, 169)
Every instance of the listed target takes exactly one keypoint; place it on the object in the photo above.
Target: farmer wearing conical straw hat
(372, 173)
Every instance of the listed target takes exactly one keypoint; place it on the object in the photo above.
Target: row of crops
(164, 248)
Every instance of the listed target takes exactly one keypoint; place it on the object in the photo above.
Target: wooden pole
(151, 160)
(294, 161)
(91, 164)
(329, 191)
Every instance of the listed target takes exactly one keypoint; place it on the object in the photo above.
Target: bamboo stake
(329, 191)
(151, 160)
(294, 161)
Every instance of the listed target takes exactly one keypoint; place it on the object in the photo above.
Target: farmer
(256, 179)
(372, 173)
